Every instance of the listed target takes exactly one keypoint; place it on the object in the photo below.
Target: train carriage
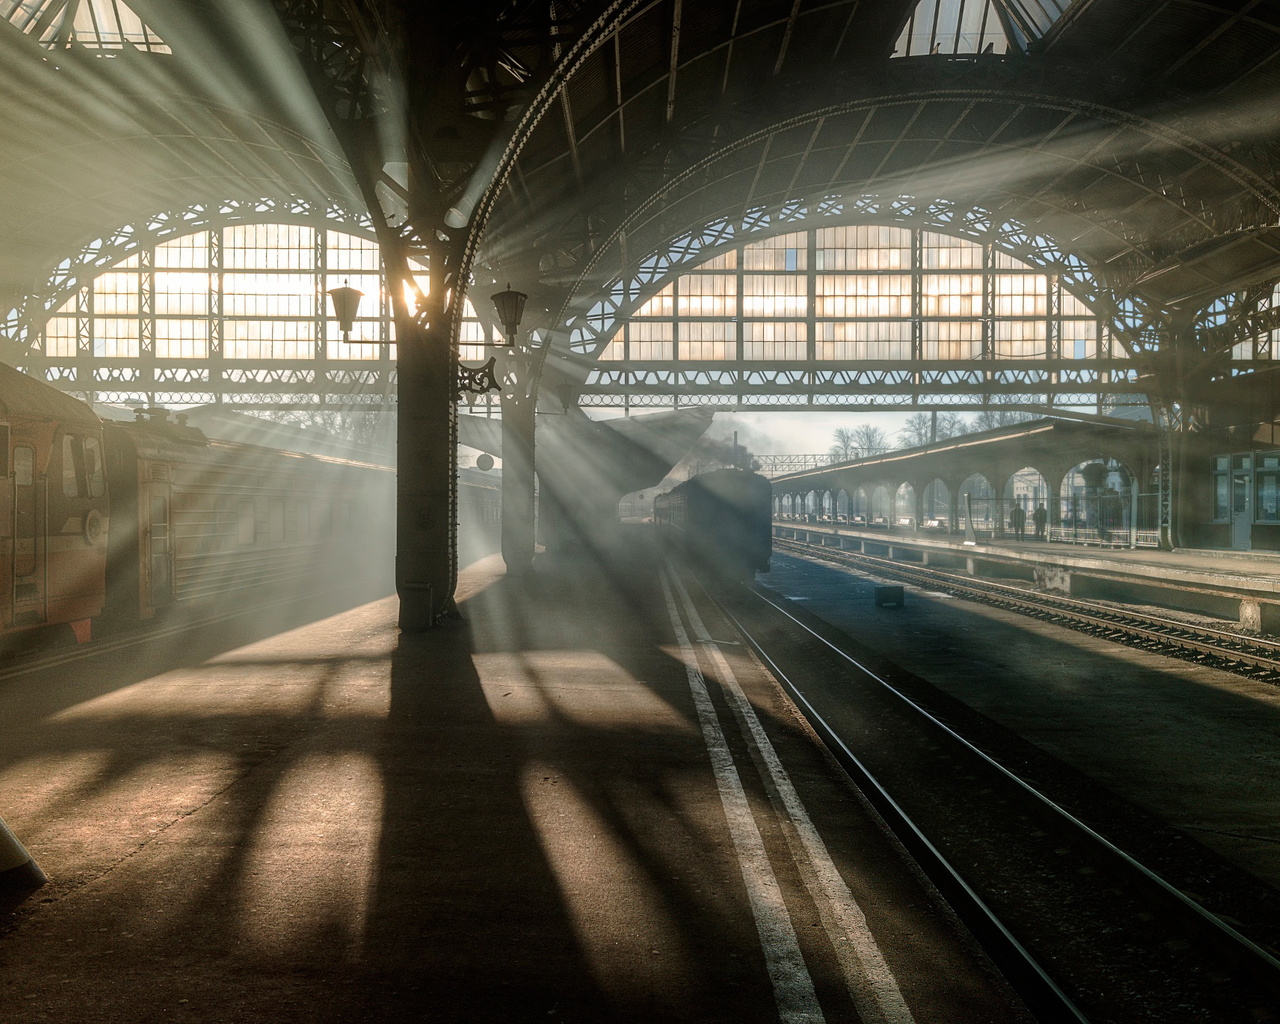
(126, 520)
(721, 521)
(198, 518)
(54, 523)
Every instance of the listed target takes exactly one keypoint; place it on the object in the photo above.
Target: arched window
(239, 311)
(857, 294)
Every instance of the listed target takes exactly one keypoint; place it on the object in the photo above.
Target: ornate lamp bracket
(477, 380)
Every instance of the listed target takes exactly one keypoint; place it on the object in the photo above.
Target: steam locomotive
(117, 522)
(722, 522)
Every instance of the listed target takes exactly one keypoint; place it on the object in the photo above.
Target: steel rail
(1156, 631)
(1033, 983)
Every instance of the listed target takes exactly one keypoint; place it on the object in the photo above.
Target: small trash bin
(890, 594)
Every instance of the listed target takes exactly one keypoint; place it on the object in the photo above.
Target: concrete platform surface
(584, 802)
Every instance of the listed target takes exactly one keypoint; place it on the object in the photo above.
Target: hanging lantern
(346, 303)
(510, 307)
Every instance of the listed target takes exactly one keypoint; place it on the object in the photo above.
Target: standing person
(1040, 517)
(1018, 520)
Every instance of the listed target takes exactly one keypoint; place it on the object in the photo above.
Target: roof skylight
(90, 24)
(950, 28)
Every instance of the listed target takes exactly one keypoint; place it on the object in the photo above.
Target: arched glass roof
(91, 24)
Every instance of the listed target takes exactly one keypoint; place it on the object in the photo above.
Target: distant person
(1040, 516)
(1018, 520)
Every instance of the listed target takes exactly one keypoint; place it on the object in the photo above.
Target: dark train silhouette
(722, 522)
(120, 521)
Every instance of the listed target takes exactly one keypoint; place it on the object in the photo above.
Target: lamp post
(346, 303)
(518, 399)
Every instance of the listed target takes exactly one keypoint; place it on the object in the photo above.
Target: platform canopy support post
(425, 456)
(517, 478)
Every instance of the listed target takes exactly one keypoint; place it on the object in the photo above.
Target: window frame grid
(986, 267)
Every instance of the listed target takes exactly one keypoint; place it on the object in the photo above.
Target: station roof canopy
(1048, 445)
(550, 143)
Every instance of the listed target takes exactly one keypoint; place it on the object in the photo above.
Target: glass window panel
(1019, 339)
(1221, 496)
(702, 339)
(863, 295)
(268, 339)
(944, 252)
(1001, 260)
(783, 340)
(781, 252)
(181, 339)
(115, 293)
(951, 295)
(863, 247)
(615, 351)
(951, 339)
(190, 252)
(1078, 339)
(268, 247)
(471, 339)
(180, 294)
(1069, 305)
(707, 295)
(660, 305)
(60, 335)
(650, 341)
(1268, 484)
(1019, 294)
(264, 294)
(351, 254)
(727, 260)
(115, 338)
(864, 340)
(770, 296)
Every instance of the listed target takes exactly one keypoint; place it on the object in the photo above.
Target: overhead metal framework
(227, 305)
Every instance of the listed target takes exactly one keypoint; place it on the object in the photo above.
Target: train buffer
(890, 594)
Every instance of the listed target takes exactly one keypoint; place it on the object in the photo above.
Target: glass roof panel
(950, 28)
(90, 24)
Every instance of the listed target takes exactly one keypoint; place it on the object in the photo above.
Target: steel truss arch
(907, 383)
(1137, 324)
(21, 324)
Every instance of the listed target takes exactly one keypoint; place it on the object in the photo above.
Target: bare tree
(990, 419)
(917, 431)
(951, 424)
(870, 440)
(844, 445)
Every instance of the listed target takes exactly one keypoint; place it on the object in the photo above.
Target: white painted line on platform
(871, 983)
(792, 984)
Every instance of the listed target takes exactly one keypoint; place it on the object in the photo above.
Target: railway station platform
(1237, 586)
(584, 801)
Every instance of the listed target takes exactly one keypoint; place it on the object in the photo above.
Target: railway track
(1252, 656)
(1083, 929)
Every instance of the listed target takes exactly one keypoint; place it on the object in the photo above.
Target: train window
(246, 524)
(72, 460)
(24, 511)
(275, 522)
(303, 512)
(23, 466)
(93, 467)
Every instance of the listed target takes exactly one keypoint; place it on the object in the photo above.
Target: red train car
(128, 520)
(195, 519)
(54, 523)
